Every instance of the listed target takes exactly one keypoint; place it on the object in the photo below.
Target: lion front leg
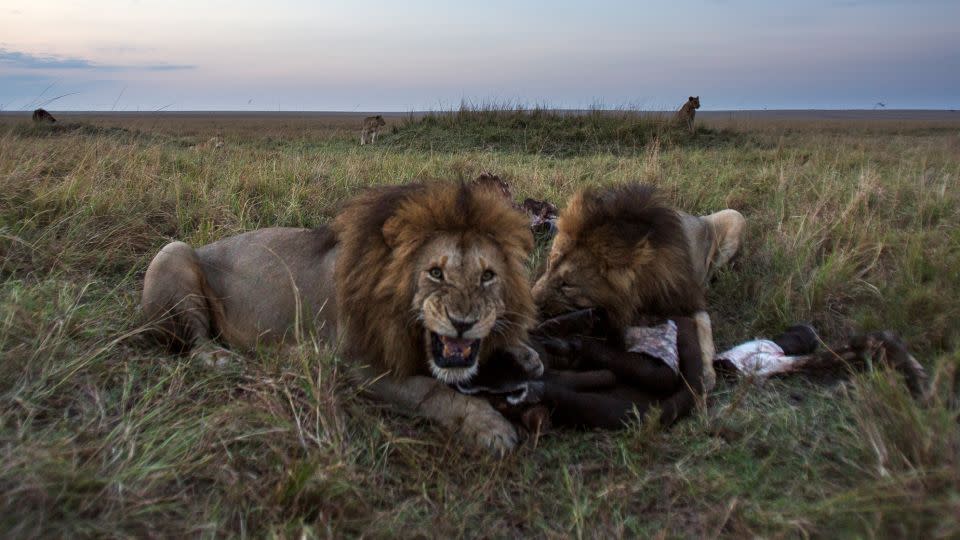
(471, 417)
(707, 349)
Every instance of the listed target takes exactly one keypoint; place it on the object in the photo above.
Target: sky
(378, 55)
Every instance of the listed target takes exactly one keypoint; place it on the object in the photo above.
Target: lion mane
(380, 234)
(635, 241)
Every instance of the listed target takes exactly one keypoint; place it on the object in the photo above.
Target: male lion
(412, 280)
(371, 128)
(687, 113)
(41, 116)
(623, 250)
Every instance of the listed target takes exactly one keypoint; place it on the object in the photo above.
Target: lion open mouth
(453, 359)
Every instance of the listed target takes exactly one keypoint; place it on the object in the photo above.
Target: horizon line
(480, 109)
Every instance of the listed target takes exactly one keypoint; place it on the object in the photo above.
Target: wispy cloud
(24, 60)
(122, 48)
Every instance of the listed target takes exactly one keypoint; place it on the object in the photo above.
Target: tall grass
(102, 434)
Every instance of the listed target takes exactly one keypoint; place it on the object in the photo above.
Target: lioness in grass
(419, 283)
(688, 112)
(371, 128)
(41, 116)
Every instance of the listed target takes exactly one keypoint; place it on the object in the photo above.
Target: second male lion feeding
(622, 249)
(418, 283)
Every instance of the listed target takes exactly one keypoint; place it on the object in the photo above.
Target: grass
(101, 434)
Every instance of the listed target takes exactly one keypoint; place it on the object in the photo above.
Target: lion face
(460, 302)
(621, 249)
(431, 278)
(574, 279)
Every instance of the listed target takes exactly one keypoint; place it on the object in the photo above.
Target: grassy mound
(547, 131)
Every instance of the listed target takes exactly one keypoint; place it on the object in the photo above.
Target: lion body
(625, 250)
(213, 143)
(688, 112)
(41, 116)
(371, 128)
(244, 290)
(363, 282)
(713, 240)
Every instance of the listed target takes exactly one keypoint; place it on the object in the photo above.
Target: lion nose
(461, 326)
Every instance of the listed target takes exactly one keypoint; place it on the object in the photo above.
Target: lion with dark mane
(622, 249)
(418, 283)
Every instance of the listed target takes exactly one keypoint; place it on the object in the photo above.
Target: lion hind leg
(471, 417)
(729, 227)
(176, 299)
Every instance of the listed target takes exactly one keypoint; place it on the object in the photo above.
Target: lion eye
(436, 273)
(487, 276)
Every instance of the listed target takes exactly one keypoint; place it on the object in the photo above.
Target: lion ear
(392, 229)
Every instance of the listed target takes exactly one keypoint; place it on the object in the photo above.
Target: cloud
(120, 48)
(31, 61)
(23, 60)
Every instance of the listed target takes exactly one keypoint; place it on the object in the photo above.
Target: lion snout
(442, 317)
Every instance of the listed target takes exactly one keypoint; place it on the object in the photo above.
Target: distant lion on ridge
(371, 128)
(688, 112)
(41, 116)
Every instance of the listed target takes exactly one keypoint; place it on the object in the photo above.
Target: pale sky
(377, 55)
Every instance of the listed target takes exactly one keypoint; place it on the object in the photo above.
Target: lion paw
(528, 359)
(214, 356)
(490, 430)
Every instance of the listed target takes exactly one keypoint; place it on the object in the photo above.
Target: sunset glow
(393, 56)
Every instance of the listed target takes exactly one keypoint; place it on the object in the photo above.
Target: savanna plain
(854, 225)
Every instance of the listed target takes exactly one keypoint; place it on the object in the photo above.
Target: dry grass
(101, 434)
